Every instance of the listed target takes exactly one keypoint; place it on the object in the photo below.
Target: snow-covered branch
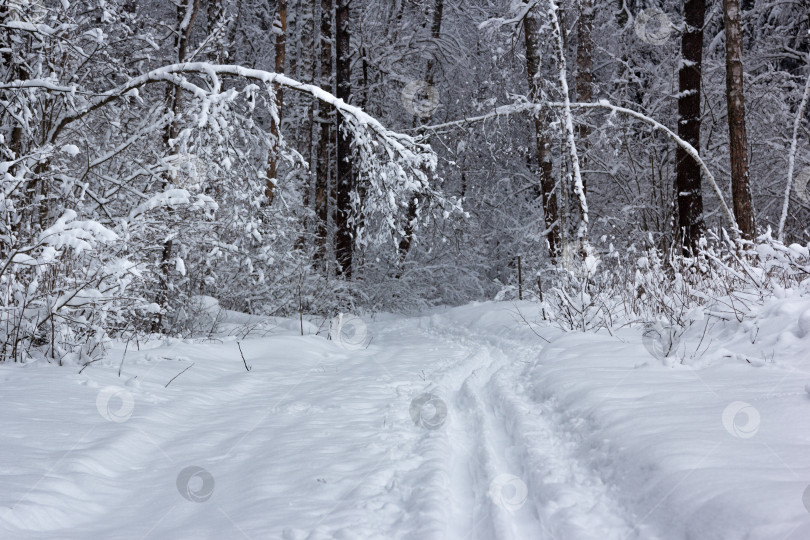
(506, 110)
(579, 187)
(792, 159)
(397, 145)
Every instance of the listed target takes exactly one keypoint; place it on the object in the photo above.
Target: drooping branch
(397, 144)
(392, 163)
(506, 110)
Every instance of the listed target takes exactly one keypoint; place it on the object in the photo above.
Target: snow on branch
(390, 163)
(396, 144)
(506, 110)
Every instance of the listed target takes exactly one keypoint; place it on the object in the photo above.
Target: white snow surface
(459, 424)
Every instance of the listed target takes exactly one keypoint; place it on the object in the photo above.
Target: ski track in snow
(516, 436)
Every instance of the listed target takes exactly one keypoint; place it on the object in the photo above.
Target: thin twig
(122, 357)
(243, 356)
(87, 364)
(520, 314)
(173, 378)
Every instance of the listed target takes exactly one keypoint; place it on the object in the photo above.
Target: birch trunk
(542, 139)
(280, 30)
(738, 142)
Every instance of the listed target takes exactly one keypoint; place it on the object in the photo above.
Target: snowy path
(317, 443)
(436, 430)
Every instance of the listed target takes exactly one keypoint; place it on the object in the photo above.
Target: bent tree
(219, 102)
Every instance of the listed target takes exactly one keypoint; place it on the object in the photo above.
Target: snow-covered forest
(405, 269)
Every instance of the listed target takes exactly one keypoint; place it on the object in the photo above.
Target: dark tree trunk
(326, 134)
(543, 141)
(306, 71)
(738, 142)
(344, 239)
(688, 187)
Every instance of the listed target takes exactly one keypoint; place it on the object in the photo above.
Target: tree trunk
(413, 203)
(558, 27)
(738, 142)
(186, 14)
(344, 239)
(549, 196)
(280, 29)
(688, 182)
(584, 77)
(307, 71)
(325, 134)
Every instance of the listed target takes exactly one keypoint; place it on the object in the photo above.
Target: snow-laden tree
(125, 193)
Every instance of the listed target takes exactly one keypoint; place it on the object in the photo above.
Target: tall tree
(406, 241)
(326, 134)
(688, 181)
(186, 15)
(542, 139)
(344, 238)
(584, 76)
(738, 140)
(280, 30)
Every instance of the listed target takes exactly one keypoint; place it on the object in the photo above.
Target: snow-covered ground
(460, 424)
